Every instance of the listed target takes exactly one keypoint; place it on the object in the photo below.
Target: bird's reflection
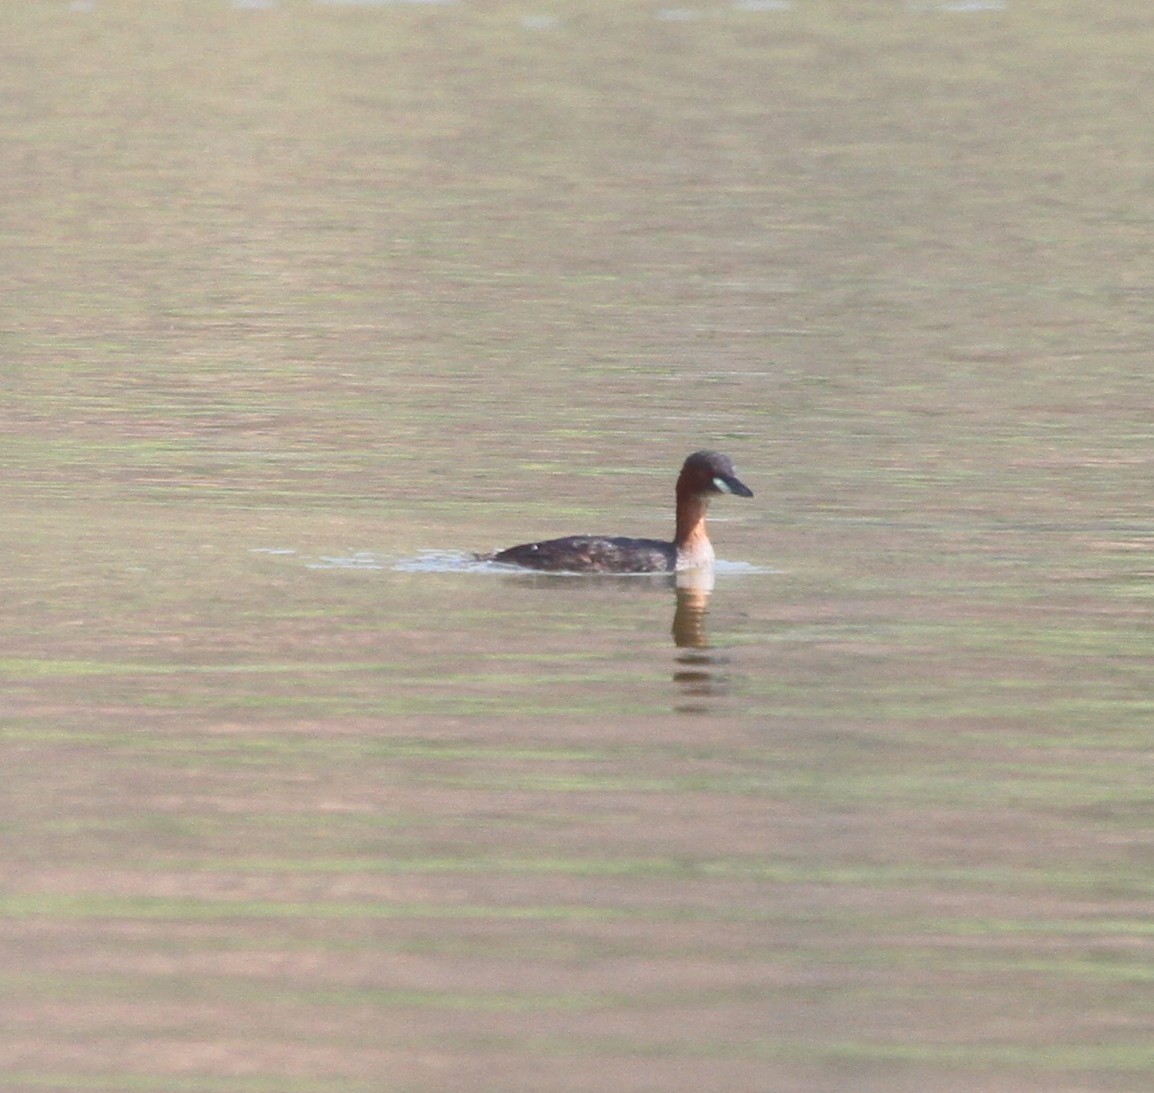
(696, 676)
(689, 619)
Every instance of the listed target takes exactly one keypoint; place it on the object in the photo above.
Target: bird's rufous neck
(692, 540)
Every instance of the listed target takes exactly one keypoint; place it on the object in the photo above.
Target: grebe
(703, 475)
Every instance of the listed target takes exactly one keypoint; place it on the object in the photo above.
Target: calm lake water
(302, 303)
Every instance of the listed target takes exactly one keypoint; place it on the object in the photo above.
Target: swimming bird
(703, 475)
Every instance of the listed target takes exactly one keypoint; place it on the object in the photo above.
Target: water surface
(302, 304)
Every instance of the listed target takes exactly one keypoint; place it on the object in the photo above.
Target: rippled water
(303, 305)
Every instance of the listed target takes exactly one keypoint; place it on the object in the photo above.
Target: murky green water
(302, 303)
